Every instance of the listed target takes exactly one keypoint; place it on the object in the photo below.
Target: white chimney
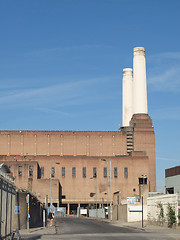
(139, 81)
(127, 96)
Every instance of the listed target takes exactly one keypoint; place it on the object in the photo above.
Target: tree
(161, 213)
(171, 215)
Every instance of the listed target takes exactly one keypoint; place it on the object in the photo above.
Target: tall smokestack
(139, 81)
(127, 96)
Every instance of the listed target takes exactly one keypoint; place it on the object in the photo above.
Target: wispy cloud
(164, 56)
(167, 159)
(56, 50)
(164, 72)
(168, 113)
(54, 111)
(65, 94)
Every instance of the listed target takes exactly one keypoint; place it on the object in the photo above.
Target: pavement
(36, 233)
(146, 226)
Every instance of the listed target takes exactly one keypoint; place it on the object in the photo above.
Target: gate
(7, 202)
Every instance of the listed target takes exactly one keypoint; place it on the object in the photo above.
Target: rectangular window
(20, 170)
(73, 172)
(63, 171)
(105, 172)
(84, 172)
(94, 172)
(52, 172)
(115, 172)
(30, 171)
(125, 172)
(42, 172)
(143, 180)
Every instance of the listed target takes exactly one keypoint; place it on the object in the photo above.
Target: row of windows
(84, 172)
(20, 171)
(74, 172)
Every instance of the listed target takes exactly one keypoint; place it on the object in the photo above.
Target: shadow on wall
(35, 210)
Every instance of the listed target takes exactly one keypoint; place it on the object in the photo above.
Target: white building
(172, 180)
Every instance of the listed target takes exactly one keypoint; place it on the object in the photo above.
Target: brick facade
(131, 150)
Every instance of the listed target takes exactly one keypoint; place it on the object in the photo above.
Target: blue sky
(61, 65)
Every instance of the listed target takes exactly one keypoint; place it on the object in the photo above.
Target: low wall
(120, 213)
(153, 211)
(134, 212)
(97, 213)
(129, 212)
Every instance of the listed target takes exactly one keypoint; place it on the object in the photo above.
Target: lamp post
(51, 187)
(95, 193)
(110, 175)
(142, 181)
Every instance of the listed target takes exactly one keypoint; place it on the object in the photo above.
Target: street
(75, 225)
(74, 228)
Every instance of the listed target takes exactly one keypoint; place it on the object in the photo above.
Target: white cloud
(64, 94)
(56, 50)
(163, 56)
(54, 111)
(164, 72)
(167, 159)
(168, 113)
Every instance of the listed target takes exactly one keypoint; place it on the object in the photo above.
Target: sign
(61, 209)
(131, 200)
(27, 198)
(83, 211)
(135, 210)
(28, 215)
(17, 210)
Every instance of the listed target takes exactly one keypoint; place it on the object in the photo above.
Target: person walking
(51, 217)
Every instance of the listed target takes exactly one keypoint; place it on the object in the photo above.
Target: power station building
(74, 166)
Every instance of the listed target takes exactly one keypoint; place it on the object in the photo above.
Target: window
(170, 190)
(115, 172)
(30, 171)
(73, 172)
(143, 180)
(42, 172)
(20, 170)
(94, 172)
(125, 172)
(63, 171)
(84, 172)
(105, 172)
(52, 172)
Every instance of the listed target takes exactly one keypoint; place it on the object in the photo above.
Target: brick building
(172, 180)
(74, 158)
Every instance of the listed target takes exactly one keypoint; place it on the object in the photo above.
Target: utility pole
(142, 210)
(28, 216)
(110, 175)
(51, 190)
(96, 196)
(52, 172)
(110, 190)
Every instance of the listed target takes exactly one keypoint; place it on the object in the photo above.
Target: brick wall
(26, 143)
(81, 149)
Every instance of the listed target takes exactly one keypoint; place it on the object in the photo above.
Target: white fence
(97, 213)
(153, 211)
(7, 203)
